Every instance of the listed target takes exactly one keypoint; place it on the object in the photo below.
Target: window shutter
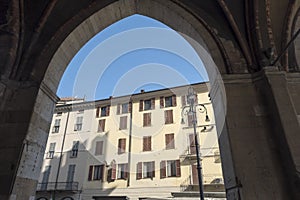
(147, 143)
(101, 172)
(169, 138)
(107, 110)
(161, 102)
(147, 119)
(139, 168)
(90, 173)
(97, 111)
(163, 169)
(190, 120)
(152, 103)
(141, 105)
(123, 122)
(126, 171)
(168, 116)
(113, 171)
(178, 169)
(192, 144)
(152, 169)
(118, 109)
(183, 100)
(130, 107)
(174, 103)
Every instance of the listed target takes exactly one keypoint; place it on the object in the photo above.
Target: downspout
(61, 155)
(129, 144)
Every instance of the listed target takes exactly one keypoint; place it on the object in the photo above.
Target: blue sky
(132, 54)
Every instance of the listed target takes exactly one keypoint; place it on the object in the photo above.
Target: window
(78, 125)
(122, 171)
(101, 125)
(217, 156)
(147, 119)
(168, 116)
(102, 111)
(99, 148)
(56, 126)
(168, 101)
(51, 150)
(121, 145)
(123, 122)
(170, 168)
(80, 111)
(192, 144)
(148, 104)
(145, 170)
(147, 143)
(45, 179)
(124, 108)
(169, 138)
(96, 172)
(74, 151)
(190, 119)
(183, 100)
(111, 172)
(70, 177)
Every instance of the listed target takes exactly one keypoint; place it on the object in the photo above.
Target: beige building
(129, 147)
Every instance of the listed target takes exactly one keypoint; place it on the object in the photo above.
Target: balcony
(61, 186)
(188, 157)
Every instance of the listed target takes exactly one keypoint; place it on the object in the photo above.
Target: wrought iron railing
(62, 186)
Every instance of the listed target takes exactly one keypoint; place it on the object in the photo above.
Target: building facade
(129, 147)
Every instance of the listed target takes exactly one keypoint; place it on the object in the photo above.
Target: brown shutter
(139, 169)
(169, 138)
(101, 125)
(192, 144)
(118, 109)
(168, 116)
(141, 105)
(101, 172)
(190, 120)
(152, 169)
(152, 103)
(183, 100)
(97, 111)
(174, 103)
(107, 111)
(163, 169)
(90, 173)
(130, 107)
(178, 169)
(147, 143)
(161, 102)
(147, 119)
(113, 171)
(126, 171)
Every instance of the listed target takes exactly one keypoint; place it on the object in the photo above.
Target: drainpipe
(61, 155)
(129, 144)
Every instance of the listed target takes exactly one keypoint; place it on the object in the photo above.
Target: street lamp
(190, 110)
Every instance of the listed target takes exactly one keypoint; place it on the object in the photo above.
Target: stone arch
(167, 12)
(50, 65)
